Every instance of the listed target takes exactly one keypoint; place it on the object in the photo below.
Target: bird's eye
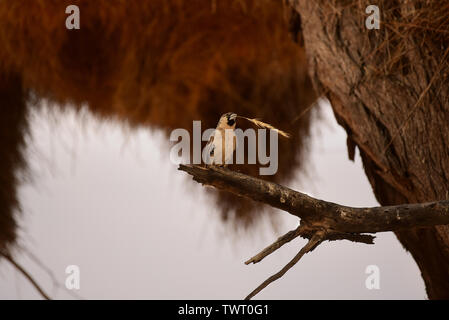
(231, 122)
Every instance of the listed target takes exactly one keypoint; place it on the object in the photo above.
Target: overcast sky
(109, 201)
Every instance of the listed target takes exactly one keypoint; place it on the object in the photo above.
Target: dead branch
(320, 220)
(289, 236)
(11, 260)
(50, 273)
(320, 214)
(317, 238)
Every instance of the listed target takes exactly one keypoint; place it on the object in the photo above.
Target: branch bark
(320, 220)
(319, 214)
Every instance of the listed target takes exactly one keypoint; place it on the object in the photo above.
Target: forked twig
(289, 236)
(316, 239)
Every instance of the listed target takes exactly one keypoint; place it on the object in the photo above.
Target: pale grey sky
(110, 201)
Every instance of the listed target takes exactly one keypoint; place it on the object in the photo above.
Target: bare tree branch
(26, 274)
(50, 273)
(305, 233)
(317, 238)
(289, 236)
(320, 214)
(320, 220)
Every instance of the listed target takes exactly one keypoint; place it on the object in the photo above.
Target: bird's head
(228, 120)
